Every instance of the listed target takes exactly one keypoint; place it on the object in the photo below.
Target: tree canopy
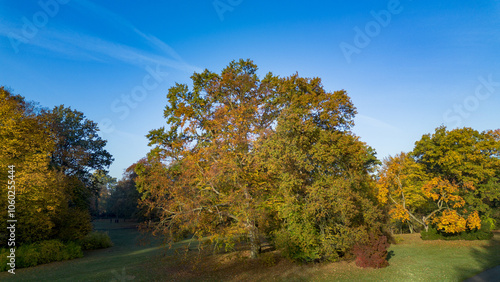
(448, 180)
(243, 157)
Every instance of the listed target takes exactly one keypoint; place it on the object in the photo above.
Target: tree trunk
(253, 236)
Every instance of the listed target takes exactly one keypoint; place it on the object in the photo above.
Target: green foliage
(96, 240)
(434, 234)
(488, 224)
(124, 197)
(73, 224)
(42, 252)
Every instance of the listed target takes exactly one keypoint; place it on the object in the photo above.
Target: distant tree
(124, 197)
(100, 201)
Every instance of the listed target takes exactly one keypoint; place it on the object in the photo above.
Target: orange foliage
(440, 189)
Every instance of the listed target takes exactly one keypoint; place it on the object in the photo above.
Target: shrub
(42, 252)
(72, 250)
(488, 224)
(434, 234)
(373, 253)
(49, 251)
(96, 240)
(27, 256)
(4, 260)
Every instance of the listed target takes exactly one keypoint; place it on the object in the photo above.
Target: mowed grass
(411, 260)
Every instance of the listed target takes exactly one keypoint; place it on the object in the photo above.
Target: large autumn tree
(449, 180)
(211, 184)
(243, 157)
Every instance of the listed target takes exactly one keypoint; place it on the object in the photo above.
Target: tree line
(55, 153)
(249, 159)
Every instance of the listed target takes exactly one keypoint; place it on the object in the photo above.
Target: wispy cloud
(375, 123)
(85, 46)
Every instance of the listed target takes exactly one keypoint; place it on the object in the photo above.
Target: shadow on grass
(486, 257)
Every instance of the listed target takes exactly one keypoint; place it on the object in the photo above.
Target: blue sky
(409, 66)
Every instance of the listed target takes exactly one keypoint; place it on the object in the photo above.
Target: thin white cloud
(374, 123)
(84, 46)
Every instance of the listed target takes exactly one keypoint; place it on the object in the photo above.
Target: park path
(490, 275)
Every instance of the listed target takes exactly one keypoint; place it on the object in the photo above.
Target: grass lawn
(412, 260)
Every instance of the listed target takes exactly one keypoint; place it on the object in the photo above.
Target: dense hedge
(434, 234)
(40, 253)
(53, 250)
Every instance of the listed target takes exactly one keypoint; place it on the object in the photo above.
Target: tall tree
(79, 150)
(24, 146)
(211, 183)
(243, 157)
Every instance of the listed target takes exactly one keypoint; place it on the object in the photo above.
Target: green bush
(72, 250)
(4, 260)
(50, 250)
(41, 252)
(26, 256)
(488, 224)
(434, 234)
(96, 240)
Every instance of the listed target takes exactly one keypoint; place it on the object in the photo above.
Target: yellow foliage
(473, 221)
(450, 222)
(399, 212)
